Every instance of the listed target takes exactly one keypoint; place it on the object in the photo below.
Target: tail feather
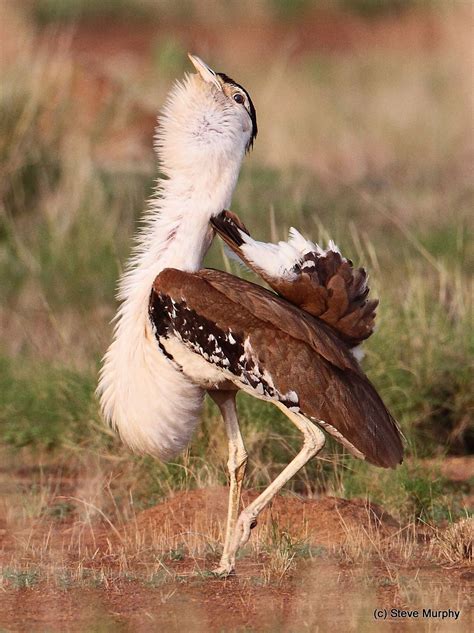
(321, 282)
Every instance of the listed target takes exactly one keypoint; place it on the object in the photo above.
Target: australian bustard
(181, 331)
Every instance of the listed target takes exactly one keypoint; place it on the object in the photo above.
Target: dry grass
(455, 542)
(88, 538)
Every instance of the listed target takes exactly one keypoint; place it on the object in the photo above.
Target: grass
(379, 165)
(456, 543)
(54, 11)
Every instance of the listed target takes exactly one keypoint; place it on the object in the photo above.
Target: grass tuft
(455, 543)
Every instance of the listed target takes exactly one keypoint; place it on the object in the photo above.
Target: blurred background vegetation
(365, 136)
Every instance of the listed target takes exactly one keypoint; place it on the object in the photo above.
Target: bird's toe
(223, 570)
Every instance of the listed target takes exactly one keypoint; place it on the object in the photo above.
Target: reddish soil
(321, 597)
(319, 522)
(321, 31)
(318, 593)
(457, 469)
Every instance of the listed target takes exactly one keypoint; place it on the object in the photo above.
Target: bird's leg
(313, 442)
(236, 464)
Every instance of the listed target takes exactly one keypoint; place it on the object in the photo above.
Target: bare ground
(314, 564)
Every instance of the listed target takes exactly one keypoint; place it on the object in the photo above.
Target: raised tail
(321, 282)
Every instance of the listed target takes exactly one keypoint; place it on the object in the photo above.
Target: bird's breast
(192, 365)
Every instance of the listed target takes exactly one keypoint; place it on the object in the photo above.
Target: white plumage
(278, 260)
(200, 142)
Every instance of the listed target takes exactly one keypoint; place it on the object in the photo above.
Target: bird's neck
(176, 231)
(180, 233)
(175, 236)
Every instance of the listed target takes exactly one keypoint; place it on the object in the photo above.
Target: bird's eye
(238, 98)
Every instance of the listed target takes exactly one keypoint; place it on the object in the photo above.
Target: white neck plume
(154, 407)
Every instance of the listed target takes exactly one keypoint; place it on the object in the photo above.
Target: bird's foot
(245, 523)
(224, 569)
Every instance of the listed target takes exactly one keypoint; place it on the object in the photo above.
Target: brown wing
(269, 346)
(327, 286)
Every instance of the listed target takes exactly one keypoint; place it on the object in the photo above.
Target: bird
(183, 331)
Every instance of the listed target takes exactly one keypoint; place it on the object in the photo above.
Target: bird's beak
(203, 69)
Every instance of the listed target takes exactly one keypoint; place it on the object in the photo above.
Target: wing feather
(303, 361)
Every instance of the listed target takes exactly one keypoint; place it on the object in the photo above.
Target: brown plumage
(300, 353)
(324, 285)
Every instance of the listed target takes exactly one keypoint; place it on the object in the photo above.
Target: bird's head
(231, 99)
(208, 120)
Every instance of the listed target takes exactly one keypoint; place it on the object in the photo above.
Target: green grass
(51, 11)
(412, 493)
(19, 579)
(43, 406)
(376, 8)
